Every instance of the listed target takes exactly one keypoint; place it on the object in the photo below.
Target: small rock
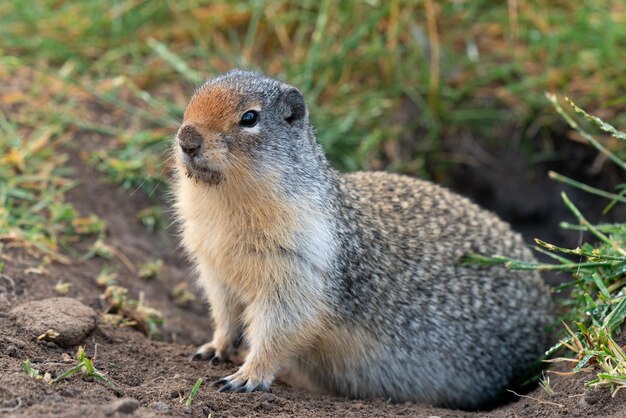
(71, 319)
(125, 406)
(268, 397)
(160, 407)
(582, 402)
(70, 392)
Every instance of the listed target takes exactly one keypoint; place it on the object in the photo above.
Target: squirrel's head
(240, 122)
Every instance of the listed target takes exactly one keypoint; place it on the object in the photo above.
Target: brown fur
(214, 111)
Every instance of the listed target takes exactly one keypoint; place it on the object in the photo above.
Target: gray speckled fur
(447, 334)
(434, 331)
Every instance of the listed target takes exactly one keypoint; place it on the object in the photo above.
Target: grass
(594, 312)
(107, 277)
(193, 392)
(386, 83)
(545, 385)
(33, 182)
(30, 370)
(85, 366)
(183, 296)
(62, 288)
(152, 218)
(442, 69)
(125, 311)
(151, 269)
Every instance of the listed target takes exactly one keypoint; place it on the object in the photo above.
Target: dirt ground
(152, 378)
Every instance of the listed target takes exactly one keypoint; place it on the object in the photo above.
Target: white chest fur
(250, 239)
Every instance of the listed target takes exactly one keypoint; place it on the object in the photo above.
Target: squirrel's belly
(382, 373)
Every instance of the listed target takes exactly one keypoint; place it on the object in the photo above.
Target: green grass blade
(572, 123)
(194, 390)
(616, 317)
(582, 186)
(597, 121)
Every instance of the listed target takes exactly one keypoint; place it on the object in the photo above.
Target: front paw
(210, 352)
(217, 351)
(242, 381)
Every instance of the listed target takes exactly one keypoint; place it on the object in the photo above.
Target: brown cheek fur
(213, 110)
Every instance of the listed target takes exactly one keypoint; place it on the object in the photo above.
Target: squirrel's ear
(294, 106)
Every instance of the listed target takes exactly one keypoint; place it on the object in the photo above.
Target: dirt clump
(64, 321)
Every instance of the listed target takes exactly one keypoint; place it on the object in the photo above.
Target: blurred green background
(392, 85)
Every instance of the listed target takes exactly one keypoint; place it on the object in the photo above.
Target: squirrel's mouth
(204, 173)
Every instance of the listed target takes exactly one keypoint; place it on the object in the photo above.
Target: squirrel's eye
(249, 119)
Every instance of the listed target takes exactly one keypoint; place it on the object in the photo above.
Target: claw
(219, 382)
(226, 388)
(216, 360)
(235, 386)
(203, 354)
(241, 382)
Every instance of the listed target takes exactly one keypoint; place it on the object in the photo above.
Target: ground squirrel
(351, 282)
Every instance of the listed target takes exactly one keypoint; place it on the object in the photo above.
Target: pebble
(71, 319)
(268, 397)
(125, 406)
(160, 407)
(70, 392)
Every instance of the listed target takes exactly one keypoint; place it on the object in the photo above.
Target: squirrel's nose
(190, 140)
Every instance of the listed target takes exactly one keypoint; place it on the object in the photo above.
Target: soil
(152, 378)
